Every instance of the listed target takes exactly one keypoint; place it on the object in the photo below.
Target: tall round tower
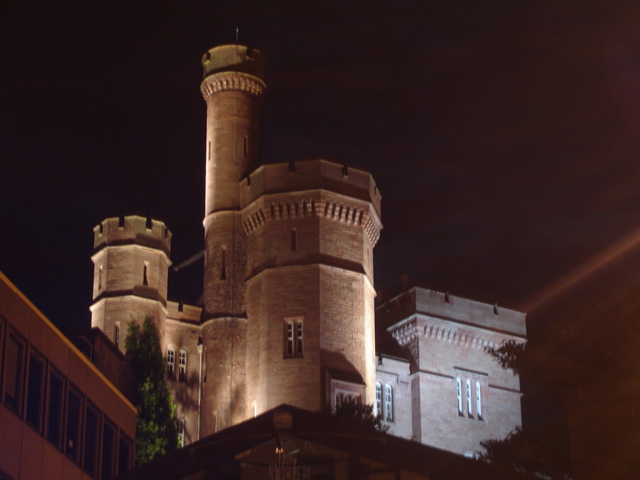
(233, 87)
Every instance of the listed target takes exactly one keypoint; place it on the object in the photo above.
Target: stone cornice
(232, 81)
(331, 210)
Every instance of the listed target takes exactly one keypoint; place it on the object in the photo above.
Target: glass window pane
(90, 441)
(54, 416)
(13, 373)
(108, 450)
(74, 412)
(124, 454)
(35, 397)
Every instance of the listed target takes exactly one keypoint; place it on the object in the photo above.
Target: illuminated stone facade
(287, 312)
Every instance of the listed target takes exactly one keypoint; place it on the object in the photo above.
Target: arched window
(388, 403)
(469, 401)
(459, 390)
(478, 401)
(180, 430)
(378, 398)
(182, 372)
(171, 363)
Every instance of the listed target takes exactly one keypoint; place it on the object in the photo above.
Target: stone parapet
(132, 229)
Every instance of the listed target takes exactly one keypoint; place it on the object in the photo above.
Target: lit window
(388, 403)
(478, 401)
(171, 363)
(293, 338)
(469, 401)
(378, 399)
(180, 429)
(182, 373)
(459, 391)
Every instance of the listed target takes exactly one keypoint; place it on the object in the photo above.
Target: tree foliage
(525, 452)
(156, 422)
(351, 410)
(542, 449)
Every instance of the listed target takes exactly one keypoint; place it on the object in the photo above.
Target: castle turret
(131, 264)
(232, 88)
(312, 226)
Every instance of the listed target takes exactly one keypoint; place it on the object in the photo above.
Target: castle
(288, 309)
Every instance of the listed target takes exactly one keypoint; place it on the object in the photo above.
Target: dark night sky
(502, 135)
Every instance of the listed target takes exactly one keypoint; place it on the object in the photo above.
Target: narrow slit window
(223, 264)
(116, 334)
(145, 281)
(288, 350)
(459, 392)
(100, 273)
(478, 401)
(294, 240)
(469, 400)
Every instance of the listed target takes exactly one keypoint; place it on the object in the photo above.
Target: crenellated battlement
(132, 229)
(305, 175)
(451, 308)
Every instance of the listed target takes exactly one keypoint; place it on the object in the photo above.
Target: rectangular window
(13, 372)
(108, 450)
(171, 363)
(469, 400)
(125, 447)
(116, 336)
(35, 391)
(182, 372)
(293, 338)
(180, 430)
(378, 399)
(91, 425)
(294, 240)
(459, 393)
(54, 408)
(74, 423)
(478, 401)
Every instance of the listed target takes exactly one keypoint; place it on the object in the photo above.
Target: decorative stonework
(406, 334)
(288, 210)
(232, 81)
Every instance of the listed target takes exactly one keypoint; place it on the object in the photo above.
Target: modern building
(60, 418)
(288, 301)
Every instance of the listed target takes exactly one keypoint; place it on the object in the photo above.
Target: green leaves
(156, 422)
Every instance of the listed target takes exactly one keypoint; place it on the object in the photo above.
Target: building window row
(293, 338)
(34, 390)
(470, 400)
(171, 364)
(387, 412)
